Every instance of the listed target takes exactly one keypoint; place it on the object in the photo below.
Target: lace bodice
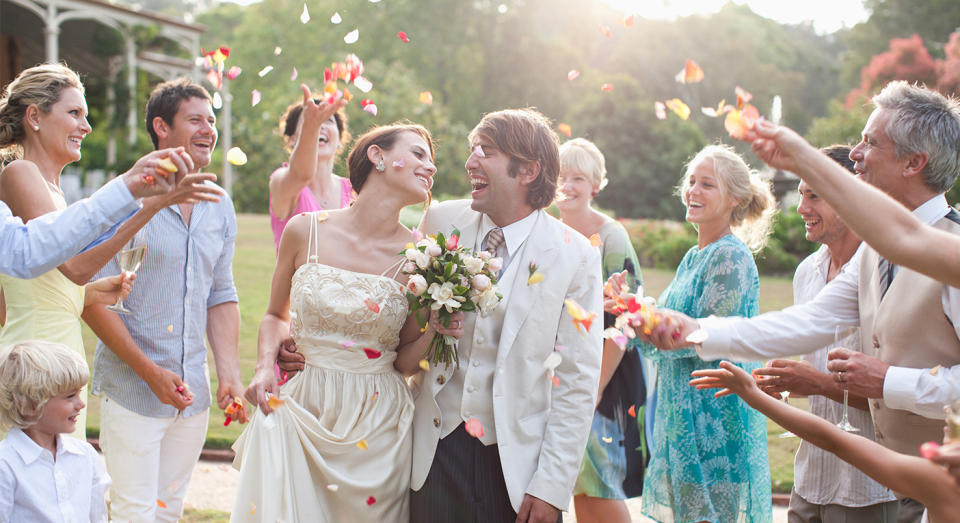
(334, 309)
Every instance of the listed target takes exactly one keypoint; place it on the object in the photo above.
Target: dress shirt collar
(30, 451)
(932, 210)
(514, 234)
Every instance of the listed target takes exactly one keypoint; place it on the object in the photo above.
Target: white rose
(417, 285)
(442, 295)
(488, 300)
(484, 255)
(409, 267)
(434, 250)
(423, 259)
(473, 265)
(481, 282)
(426, 242)
(495, 264)
(411, 253)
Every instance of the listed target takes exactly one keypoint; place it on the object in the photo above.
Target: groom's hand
(536, 510)
(288, 359)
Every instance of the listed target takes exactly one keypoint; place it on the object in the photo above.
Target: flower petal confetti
(605, 29)
(399, 163)
(425, 365)
(474, 428)
(935, 370)
(274, 402)
(929, 449)
(161, 504)
(595, 240)
(233, 72)
(579, 316)
(236, 156)
(552, 361)
(253, 508)
(217, 100)
(426, 98)
(742, 97)
(352, 37)
(293, 75)
(607, 439)
(333, 487)
(721, 108)
(478, 150)
(535, 278)
(372, 305)
(739, 122)
(617, 336)
(265, 71)
(679, 108)
(690, 74)
(347, 344)
(627, 21)
(305, 15)
(277, 50)
(606, 88)
(254, 98)
(556, 381)
(403, 36)
(335, 19)
(632, 411)
(573, 74)
(363, 84)
(661, 110)
(371, 500)
(362, 445)
(371, 353)
(371, 108)
(566, 235)
(565, 129)
(322, 217)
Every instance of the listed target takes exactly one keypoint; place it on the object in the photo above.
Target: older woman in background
(612, 467)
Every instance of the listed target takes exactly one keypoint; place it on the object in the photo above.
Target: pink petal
(399, 163)
(293, 75)
(233, 72)
(254, 98)
(573, 74)
(371, 108)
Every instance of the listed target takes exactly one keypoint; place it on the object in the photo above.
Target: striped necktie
(494, 241)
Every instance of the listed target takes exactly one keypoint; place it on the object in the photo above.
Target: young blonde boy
(44, 476)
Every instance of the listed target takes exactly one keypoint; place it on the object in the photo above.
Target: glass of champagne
(850, 335)
(129, 259)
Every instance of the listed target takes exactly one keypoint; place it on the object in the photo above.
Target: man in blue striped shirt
(150, 367)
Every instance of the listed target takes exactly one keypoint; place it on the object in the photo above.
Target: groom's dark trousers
(465, 484)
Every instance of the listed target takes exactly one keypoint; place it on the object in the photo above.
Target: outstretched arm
(910, 476)
(878, 219)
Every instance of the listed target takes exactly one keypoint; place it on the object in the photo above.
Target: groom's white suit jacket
(541, 428)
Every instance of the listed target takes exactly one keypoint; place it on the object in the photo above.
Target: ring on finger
(840, 376)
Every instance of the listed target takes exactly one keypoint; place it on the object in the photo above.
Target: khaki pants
(802, 511)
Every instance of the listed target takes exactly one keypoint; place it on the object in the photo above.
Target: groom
(523, 465)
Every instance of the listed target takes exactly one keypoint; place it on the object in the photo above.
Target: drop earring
(381, 166)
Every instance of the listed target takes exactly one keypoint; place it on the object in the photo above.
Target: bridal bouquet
(446, 278)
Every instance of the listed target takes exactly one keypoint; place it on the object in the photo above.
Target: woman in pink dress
(307, 182)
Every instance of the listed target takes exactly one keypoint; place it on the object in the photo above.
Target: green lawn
(253, 268)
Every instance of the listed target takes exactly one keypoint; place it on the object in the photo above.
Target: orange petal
(679, 108)
(627, 21)
(632, 411)
(362, 445)
(474, 428)
(595, 240)
(742, 97)
(691, 73)
(606, 88)
(426, 98)
(605, 29)
(161, 504)
(372, 305)
(565, 129)
(739, 122)
(274, 402)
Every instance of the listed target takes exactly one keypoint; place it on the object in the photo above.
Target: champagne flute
(129, 259)
(851, 334)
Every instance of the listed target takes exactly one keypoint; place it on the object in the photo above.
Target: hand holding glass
(851, 335)
(129, 259)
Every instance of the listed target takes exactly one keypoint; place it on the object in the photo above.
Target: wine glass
(851, 335)
(129, 259)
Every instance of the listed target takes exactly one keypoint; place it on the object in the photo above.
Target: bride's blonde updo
(751, 220)
(41, 85)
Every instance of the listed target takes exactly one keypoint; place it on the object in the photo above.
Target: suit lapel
(521, 298)
(468, 223)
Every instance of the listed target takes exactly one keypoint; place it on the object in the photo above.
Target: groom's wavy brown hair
(526, 136)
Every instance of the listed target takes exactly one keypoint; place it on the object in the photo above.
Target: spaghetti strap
(313, 239)
(397, 266)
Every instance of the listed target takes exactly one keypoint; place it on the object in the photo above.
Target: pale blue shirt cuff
(899, 387)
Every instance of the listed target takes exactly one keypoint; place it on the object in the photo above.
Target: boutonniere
(535, 276)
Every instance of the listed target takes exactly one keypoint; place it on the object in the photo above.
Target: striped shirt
(820, 477)
(186, 271)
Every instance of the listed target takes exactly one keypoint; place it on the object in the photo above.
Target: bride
(334, 443)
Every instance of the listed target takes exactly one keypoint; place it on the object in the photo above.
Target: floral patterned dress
(708, 455)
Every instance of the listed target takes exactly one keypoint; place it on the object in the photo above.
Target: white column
(52, 33)
(112, 68)
(226, 136)
(131, 54)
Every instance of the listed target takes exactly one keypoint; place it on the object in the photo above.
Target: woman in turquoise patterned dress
(709, 455)
(613, 464)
